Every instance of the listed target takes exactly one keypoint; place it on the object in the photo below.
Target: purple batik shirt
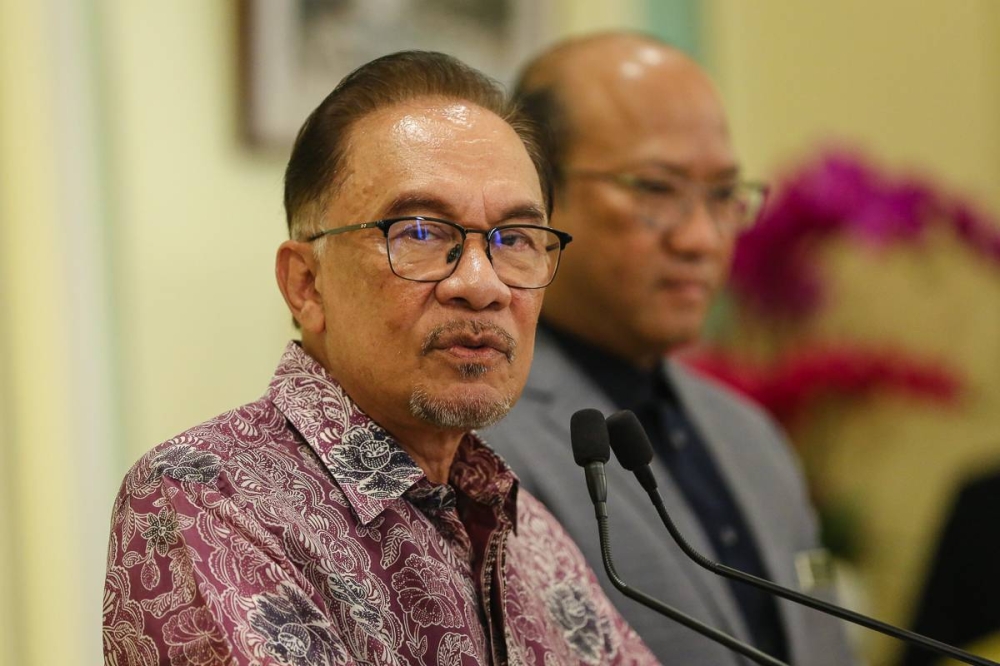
(295, 530)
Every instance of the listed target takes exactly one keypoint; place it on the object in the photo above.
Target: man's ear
(296, 270)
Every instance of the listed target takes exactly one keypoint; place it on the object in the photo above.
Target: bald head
(600, 55)
(636, 133)
(585, 90)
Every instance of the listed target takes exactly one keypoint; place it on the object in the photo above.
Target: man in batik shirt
(350, 515)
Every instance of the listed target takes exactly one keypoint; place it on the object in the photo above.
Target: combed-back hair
(317, 164)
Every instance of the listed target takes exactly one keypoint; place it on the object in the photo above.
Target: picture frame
(293, 52)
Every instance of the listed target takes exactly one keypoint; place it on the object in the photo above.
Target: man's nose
(698, 232)
(475, 283)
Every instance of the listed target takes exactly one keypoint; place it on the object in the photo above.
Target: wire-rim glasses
(666, 202)
(428, 249)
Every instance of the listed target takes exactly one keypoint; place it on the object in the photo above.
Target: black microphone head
(589, 436)
(629, 440)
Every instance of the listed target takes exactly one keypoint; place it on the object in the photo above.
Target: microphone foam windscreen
(589, 435)
(629, 440)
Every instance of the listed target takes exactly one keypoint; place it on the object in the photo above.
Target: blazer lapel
(564, 389)
(714, 588)
(739, 460)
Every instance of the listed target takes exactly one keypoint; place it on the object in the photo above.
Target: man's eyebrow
(531, 212)
(413, 203)
(727, 174)
(674, 169)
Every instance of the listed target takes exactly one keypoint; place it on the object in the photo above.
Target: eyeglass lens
(426, 251)
(732, 207)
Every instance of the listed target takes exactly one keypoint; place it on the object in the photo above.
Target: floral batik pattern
(294, 530)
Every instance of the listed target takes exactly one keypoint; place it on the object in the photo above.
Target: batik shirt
(295, 530)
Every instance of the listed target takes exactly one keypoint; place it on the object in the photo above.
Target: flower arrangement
(777, 288)
(788, 387)
(777, 278)
(774, 270)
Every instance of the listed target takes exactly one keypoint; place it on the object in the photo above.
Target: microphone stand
(634, 452)
(806, 600)
(747, 651)
(591, 450)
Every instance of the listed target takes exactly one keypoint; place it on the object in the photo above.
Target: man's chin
(462, 407)
(678, 332)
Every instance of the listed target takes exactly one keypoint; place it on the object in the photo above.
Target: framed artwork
(293, 52)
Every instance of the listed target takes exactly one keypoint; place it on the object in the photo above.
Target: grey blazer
(752, 456)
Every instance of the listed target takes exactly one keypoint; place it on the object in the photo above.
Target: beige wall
(136, 249)
(917, 85)
(34, 270)
(914, 82)
(197, 219)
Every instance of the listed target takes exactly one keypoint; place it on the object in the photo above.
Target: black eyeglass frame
(384, 225)
(636, 183)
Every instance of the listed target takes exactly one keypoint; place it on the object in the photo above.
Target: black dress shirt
(678, 444)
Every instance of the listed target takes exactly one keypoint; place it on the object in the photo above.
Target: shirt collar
(370, 466)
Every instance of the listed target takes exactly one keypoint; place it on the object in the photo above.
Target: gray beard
(461, 414)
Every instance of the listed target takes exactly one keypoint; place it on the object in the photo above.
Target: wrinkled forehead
(422, 123)
(454, 147)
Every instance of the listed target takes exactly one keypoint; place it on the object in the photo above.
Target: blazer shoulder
(726, 417)
(698, 386)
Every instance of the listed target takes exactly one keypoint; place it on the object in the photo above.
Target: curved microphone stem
(746, 650)
(805, 600)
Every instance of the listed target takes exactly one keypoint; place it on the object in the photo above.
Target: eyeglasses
(427, 249)
(666, 202)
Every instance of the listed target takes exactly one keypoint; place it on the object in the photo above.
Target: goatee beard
(470, 413)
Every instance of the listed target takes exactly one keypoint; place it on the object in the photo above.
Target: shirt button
(678, 438)
(729, 536)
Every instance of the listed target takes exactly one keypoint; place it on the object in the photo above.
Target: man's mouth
(687, 288)
(471, 341)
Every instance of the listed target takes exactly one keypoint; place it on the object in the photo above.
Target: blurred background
(142, 146)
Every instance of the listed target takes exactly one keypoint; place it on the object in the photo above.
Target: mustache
(471, 333)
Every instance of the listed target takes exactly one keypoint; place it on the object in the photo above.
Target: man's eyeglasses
(667, 202)
(427, 249)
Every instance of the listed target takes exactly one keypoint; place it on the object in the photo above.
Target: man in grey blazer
(647, 183)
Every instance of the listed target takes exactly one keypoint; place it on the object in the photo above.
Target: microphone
(591, 450)
(635, 453)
